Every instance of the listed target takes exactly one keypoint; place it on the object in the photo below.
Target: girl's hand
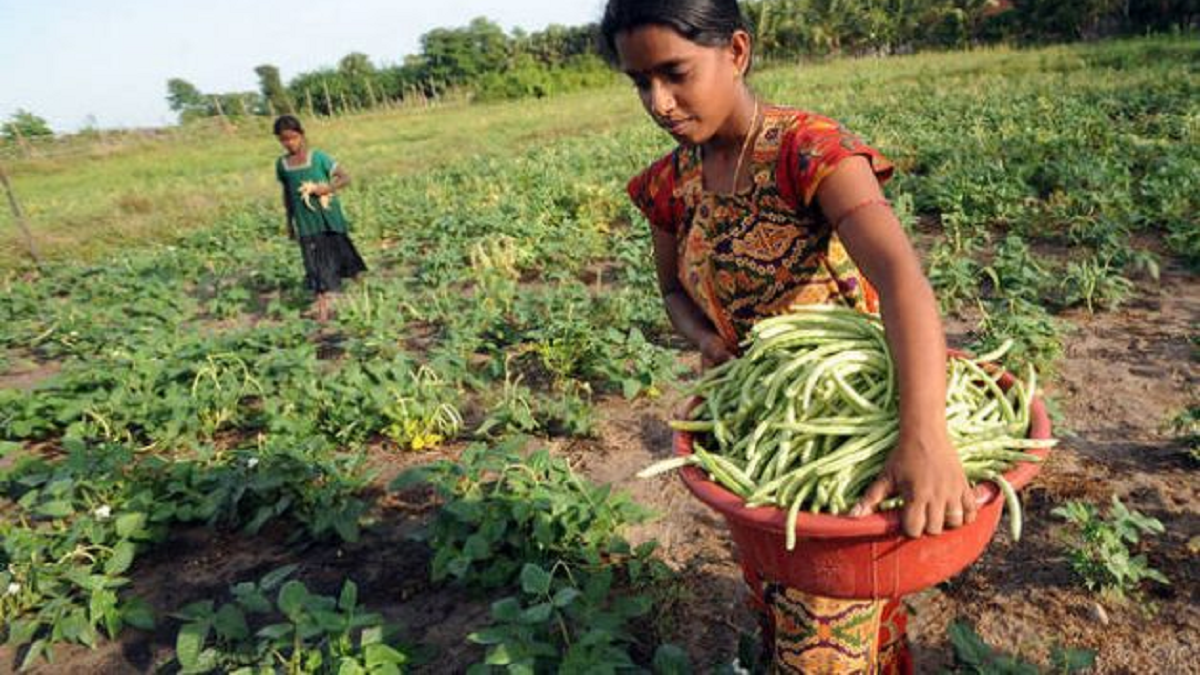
(924, 470)
(322, 189)
(713, 351)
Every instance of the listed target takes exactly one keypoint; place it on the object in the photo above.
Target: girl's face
(292, 141)
(689, 89)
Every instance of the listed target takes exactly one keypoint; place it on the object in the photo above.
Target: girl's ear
(740, 50)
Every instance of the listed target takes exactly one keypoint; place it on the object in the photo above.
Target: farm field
(173, 424)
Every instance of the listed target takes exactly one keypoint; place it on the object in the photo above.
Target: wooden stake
(19, 217)
(221, 113)
(371, 93)
(328, 100)
(26, 147)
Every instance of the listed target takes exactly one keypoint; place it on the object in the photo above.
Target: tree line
(488, 63)
(484, 61)
(480, 58)
(790, 29)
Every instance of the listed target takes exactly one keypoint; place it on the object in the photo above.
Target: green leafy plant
(297, 632)
(953, 267)
(423, 415)
(637, 365)
(1037, 336)
(503, 510)
(563, 620)
(517, 409)
(67, 547)
(76, 526)
(1187, 426)
(1099, 547)
(1016, 273)
(973, 656)
(1095, 282)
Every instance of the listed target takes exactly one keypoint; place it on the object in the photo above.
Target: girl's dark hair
(287, 123)
(710, 23)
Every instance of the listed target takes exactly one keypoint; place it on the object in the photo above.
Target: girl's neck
(731, 136)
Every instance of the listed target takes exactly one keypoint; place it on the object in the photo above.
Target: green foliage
(503, 510)
(76, 526)
(516, 409)
(1099, 547)
(787, 29)
(973, 656)
(459, 55)
(270, 86)
(68, 542)
(1187, 425)
(1016, 273)
(572, 619)
(1095, 283)
(297, 632)
(483, 59)
(184, 98)
(422, 413)
(1036, 334)
(24, 125)
(954, 268)
(531, 522)
(518, 284)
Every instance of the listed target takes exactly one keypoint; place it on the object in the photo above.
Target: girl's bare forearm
(687, 318)
(918, 346)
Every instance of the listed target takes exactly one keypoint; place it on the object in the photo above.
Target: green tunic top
(309, 215)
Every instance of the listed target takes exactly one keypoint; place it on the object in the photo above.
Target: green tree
(358, 76)
(24, 124)
(272, 89)
(1066, 19)
(460, 55)
(325, 88)
(185, 99)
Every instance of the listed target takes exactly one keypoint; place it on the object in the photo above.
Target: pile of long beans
(805, 419)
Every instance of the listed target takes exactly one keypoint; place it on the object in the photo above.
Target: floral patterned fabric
(826, 636)
(761, 251)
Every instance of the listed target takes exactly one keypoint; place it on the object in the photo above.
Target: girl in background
(310, 180)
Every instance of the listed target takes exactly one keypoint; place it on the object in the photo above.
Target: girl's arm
(924, 469)
(687, 318)
(291, 216)
(338, 180)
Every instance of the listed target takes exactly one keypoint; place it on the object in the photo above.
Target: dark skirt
(329, 257)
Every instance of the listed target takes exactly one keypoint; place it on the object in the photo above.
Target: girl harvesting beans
(761, 208)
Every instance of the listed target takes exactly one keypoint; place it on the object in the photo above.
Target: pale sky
(111, 59)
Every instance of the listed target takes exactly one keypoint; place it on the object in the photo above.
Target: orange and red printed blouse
(758, 252)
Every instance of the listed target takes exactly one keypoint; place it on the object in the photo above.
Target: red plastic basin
(857, 558)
